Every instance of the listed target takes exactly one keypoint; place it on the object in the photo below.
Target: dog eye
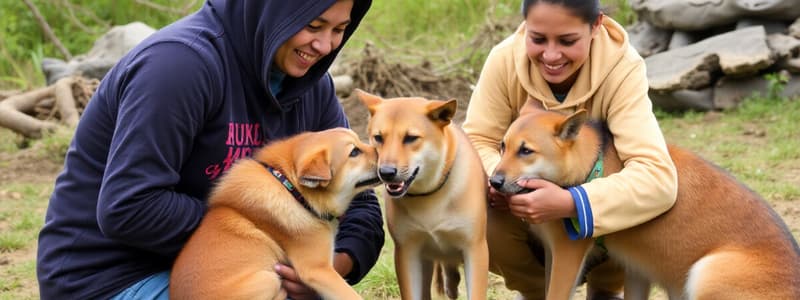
(378, 138)
(355, 152)
(502, 147)
(524, 151)
(408, 139)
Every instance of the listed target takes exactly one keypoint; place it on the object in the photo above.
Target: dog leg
(566, 261)
(315, 267)
(256, 285)
(451, 280)
(426, 278)
(476, 266)
(414, 274)
(636, 286)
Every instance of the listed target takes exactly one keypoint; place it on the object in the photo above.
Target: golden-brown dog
(255, 220)
(719, 241)
(436, 211)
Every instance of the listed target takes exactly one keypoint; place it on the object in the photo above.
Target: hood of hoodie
(606, 51)
(257, 28)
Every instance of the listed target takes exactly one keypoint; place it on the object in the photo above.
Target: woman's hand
(497, 200)
(291, 283)
(546, 202)
(297, 290)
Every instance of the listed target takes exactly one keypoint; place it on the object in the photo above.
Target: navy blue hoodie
(164, 124)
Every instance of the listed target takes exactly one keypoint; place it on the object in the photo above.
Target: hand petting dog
(545, 202)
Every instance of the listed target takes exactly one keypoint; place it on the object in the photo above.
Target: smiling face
(319, 38)
(558, 42)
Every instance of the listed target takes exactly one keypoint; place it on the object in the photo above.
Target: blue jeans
(155, 287)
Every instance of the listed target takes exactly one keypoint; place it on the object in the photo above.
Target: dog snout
(387, 172)
(497, 181)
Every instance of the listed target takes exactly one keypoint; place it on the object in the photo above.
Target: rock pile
(712, 54)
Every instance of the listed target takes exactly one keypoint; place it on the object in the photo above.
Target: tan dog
(255, 221)
(719, 241)
(436, 211)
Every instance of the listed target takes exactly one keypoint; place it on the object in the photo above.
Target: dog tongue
(395, 187)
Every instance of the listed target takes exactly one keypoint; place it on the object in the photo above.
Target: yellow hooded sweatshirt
(612, 86)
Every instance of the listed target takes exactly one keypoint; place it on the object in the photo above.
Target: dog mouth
(524, 191)
(399, 189)
(368, 182)
(512, 188)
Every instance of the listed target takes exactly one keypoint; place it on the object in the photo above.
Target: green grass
(758, 142)
(76, 23)
(441, 29)
(16, 284)
(21, 217)
(10, 142)
(381, 282)
(53, 145)
(390, 25)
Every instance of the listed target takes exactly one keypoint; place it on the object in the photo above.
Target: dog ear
(314, 169)
(442, 112)
(370, 101)
(531, 106)
(569, 129)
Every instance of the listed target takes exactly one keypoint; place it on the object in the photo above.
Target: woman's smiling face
(558, 42)
(319, 38)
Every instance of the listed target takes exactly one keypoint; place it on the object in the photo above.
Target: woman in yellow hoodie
(567, 55)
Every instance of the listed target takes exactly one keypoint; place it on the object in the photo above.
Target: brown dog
(719, 241)
(256, 219)
(436, 209)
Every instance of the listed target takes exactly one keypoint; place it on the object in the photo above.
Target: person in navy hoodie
(169, 119)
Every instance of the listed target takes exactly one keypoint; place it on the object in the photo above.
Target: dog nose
(387, 172)
(497, 181)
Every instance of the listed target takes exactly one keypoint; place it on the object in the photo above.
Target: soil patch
(28, 166)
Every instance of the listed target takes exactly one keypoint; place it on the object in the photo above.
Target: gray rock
(790, 64)
(770, 26)
(794, 29)
(736, 53)
(105, 52)
(783, 46)
(680, 39)
(730, 92)
(343, 84)
(786, 51)
(692, 15)
(701, 100)
(648, 39)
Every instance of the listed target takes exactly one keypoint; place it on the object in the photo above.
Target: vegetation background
(758, 142)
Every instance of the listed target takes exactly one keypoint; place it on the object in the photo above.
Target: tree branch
(47, 30)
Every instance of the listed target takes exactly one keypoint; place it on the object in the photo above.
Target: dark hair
(588, 10)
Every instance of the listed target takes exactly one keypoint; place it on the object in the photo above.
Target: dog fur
(436, 188)
(719, 241)
(254, 222)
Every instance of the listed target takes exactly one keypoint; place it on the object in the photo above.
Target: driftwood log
(33, 112)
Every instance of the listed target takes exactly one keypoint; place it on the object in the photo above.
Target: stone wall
(712, 54)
